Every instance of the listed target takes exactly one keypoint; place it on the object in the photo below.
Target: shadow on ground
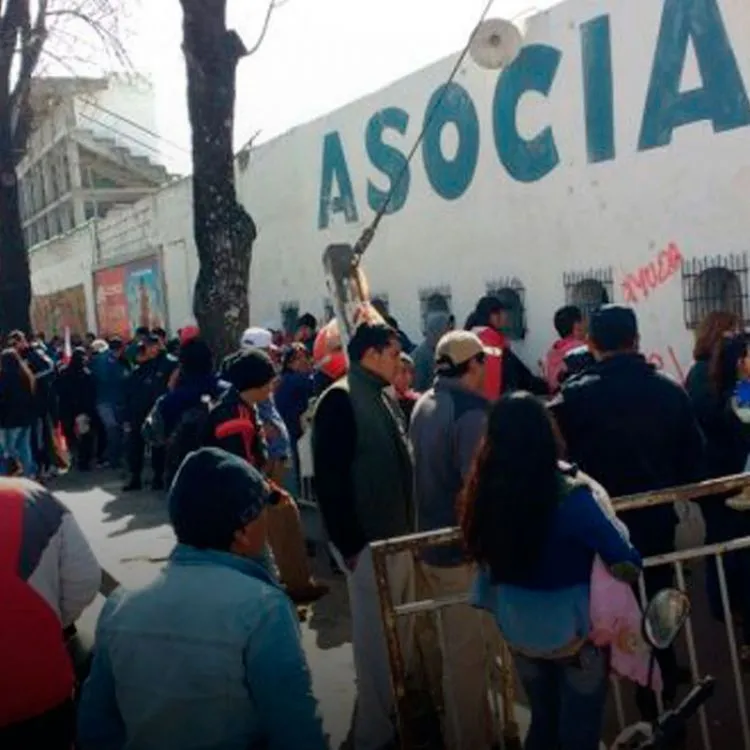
(143, 510)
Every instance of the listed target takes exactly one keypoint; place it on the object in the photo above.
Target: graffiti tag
(636, 286)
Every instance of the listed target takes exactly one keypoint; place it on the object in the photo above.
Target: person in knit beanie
(209, 653)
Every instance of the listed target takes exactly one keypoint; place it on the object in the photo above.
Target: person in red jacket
(48, 576)
(504, 371)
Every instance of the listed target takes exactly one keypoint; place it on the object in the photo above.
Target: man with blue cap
(209, 654)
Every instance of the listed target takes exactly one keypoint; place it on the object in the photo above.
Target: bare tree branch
(272, 6)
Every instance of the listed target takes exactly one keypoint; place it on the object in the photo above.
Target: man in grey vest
(363, 481)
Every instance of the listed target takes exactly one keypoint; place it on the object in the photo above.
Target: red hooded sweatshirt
(554, 364)
(494, 345)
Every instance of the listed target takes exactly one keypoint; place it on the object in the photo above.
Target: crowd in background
(456, 431)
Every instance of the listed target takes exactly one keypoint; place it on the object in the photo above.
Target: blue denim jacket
(208, 655)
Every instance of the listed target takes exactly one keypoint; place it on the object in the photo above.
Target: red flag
(67, 347)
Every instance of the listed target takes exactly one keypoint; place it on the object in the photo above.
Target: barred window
(512, 293)
(588, 290)
(434, 299)
(714, 284)
(289, 316)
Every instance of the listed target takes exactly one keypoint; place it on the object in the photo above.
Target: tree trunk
(15, 281)
(224, 231)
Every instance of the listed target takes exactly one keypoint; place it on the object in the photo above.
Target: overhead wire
(369, 232)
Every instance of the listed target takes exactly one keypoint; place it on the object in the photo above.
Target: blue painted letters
(598, 98)
(722, 98)
(389, 160)
(450, 177)
(334, 166)
(533, 70)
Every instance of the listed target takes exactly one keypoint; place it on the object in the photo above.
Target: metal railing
(500, 673)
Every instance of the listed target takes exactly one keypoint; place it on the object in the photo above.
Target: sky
(318, 55)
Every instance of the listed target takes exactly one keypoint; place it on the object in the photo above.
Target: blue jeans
(16, 443)
(110, 418)
(567, 698)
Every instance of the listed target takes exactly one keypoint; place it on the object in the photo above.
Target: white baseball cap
(260, 338)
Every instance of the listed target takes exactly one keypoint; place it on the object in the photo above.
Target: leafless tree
(224, 230)
(32, 33)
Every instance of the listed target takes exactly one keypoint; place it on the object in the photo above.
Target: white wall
(617, 213)
(65, 262)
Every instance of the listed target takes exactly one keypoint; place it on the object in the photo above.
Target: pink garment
(554, 364)
(616, 621)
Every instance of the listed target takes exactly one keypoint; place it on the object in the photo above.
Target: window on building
(511, 292)
(588, 290)
(715, 284)
(89, 210)
(289, 316)
(435, 299)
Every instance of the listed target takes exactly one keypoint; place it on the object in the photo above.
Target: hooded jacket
(436, 324)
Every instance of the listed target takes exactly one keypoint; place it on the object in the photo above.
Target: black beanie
(214, 495)
(249, 368)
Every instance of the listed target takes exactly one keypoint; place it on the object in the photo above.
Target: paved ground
(131, 537)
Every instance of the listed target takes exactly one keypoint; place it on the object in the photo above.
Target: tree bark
(224, 231)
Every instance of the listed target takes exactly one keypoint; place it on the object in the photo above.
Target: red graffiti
(636, 286)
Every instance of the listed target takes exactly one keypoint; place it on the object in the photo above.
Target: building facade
(608, 162)
(92, 148)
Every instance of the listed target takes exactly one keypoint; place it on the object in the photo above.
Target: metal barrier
(506, 725)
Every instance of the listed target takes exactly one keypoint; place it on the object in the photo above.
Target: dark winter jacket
(633, 430)
(235, 426)
(727, 446)
(17, 406)
(292, 397)
(110, 375)
(76, 392)
(145, 385)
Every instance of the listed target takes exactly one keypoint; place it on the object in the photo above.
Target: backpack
(190, 434)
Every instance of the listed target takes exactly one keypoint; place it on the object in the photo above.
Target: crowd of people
(457, 431)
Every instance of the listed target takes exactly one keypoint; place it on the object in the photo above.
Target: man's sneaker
(134, 485)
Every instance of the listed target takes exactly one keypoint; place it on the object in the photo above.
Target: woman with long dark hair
(17, 412)
(722, 417)
(534, 527)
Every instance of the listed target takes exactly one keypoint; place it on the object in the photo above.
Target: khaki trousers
(465, 631)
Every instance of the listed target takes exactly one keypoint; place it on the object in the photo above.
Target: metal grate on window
(589, 290)
(289, 316)
(512, 293)
(712, 284)
(434, 299)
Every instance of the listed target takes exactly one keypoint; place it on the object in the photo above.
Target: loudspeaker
(495, 43)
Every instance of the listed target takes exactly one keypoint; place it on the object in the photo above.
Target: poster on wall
(130, 296)
(52, 313)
